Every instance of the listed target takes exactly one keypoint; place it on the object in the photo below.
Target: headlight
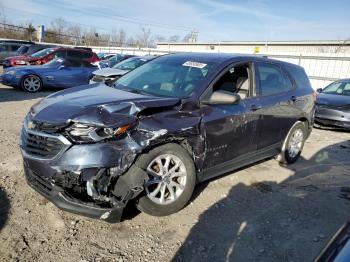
(11, 72)
(84, 133)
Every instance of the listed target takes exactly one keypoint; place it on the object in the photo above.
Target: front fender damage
(122, 179)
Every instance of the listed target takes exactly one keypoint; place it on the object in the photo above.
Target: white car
(108, 75)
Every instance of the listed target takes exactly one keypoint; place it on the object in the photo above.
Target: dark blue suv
(160, 129)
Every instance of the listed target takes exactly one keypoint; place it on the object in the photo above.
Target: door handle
(255, 107)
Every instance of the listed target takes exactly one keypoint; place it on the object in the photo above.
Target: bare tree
(76, 32)
(58, 27)
(118, 37)
(144, 39)
(159, 38)
(187, 38)
(174, 38)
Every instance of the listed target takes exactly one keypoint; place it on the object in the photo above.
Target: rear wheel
(31, 83)
(171, 180)
(293, 144)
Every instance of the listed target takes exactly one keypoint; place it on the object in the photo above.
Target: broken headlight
(84, 133)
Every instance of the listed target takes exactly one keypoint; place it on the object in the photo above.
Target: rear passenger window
(60, 54)
(85, 55)
(14, 47)
(272, 80)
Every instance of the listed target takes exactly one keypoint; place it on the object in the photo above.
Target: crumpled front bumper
(62, 200)
(333, 117)
(76, 164)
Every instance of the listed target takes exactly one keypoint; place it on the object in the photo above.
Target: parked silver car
(108, 75)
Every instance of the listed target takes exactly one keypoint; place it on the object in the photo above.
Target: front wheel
(31, 83)
(293, 144)
(171, 180)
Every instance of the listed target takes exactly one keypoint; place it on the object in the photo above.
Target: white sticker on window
(194, 64)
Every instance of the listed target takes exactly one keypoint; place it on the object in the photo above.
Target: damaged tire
(293, 144)
(171, 180)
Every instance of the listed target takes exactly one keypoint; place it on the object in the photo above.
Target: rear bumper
(62, 200)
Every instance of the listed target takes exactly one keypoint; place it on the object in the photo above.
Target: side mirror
(61, 67)
(319, 90)
(222, 98)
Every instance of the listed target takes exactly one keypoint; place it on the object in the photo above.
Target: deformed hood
(332, 100)
(110, 72)
(96, 104)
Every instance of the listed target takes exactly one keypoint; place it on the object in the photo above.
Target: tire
(293, 144)
(151, 201)
(31, 83)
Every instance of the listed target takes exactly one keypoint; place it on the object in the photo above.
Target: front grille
(98, 78)
(42, 146)
(38, 183)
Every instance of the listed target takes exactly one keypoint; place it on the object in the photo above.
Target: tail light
(314, 96)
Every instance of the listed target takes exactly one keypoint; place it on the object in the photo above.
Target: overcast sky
(217, 20)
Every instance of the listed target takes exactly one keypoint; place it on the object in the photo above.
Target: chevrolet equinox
(162, 128)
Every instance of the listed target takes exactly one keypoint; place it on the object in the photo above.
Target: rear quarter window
(299, 76)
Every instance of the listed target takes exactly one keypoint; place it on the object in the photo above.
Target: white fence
(321, 69)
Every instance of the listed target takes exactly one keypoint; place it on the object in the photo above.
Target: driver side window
(236, 81)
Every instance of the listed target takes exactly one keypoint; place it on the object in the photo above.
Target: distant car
(58, 73)
(333, 105)
(8, 49)
(22, 54)
(108, 75)
(48, 54)
(116, 59)
(105, 56)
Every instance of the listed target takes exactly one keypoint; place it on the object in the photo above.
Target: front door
(231, 128)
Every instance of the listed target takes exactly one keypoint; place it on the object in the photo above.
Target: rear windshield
(130, 63)
(43, 52)
(166, 76)
(22, 50)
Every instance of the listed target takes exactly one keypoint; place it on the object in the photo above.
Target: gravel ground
(265, 212)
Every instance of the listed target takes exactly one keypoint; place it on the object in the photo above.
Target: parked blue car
(58, 73)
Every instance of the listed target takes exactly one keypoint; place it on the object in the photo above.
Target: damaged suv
(160, 129)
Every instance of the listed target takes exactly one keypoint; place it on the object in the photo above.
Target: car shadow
(4, 208)
(269, 221)
(8, 94)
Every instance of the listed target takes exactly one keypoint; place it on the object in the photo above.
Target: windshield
(166, 76)
(130, 63)
(42, 52)
(22, 50)
(338, 88)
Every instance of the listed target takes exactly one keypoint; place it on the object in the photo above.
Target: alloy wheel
(32, 83)
(167, 179)
(295, 143)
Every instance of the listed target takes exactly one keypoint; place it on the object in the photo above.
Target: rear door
(275, 104)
